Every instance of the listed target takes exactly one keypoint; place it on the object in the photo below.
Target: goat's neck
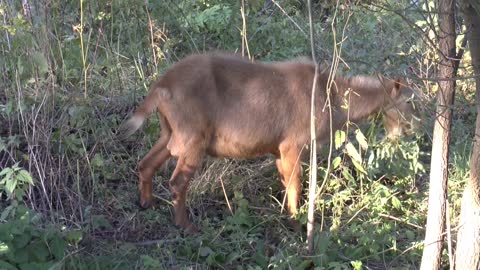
(363, 96)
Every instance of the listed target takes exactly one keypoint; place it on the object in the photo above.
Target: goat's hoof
(188, 229)
(145, 203)
(192, 229)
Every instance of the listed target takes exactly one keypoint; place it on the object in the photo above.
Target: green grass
(60, 106)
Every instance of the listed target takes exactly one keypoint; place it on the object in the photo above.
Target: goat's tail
(148, 106)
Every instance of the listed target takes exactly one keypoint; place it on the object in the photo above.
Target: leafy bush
(14, 181)
(24, 244)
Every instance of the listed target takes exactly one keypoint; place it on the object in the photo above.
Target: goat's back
(241, 108)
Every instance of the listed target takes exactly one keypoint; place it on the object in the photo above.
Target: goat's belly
(240, 147)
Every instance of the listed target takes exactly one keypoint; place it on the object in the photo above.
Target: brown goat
(404, 116)
(225, 106)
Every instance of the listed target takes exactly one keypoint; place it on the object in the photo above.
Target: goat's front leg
(290, 171)
(181, 177)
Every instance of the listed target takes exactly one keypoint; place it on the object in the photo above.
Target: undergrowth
(72, 73)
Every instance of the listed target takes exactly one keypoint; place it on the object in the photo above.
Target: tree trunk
(432, 251)
(467, 255)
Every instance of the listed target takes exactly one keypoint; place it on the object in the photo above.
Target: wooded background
(73, 70)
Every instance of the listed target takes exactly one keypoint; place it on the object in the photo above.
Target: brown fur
(225, 106)
(404, 116)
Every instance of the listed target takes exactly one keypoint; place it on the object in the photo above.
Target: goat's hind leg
(148, 166)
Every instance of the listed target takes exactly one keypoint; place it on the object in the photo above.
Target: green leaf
(205, 251)
(348, 176)
(39, 250)
(353, 153)
(340, 138)
(10, 186)
(20, 193)
(7, 178)
(57, 247)
(74, 237)
(3, 248)
(260, 259)
(37, 266)
(9, 108)
(24, 176)
(20, 66)
(97, 161)
(150, 263)
(322, 242)
(357, 265)
(18, 256)
(5, 171)
(100, 222)
(238, 195)
(359, 166)
(371, 158)
(6, 266)
(3, 146)
(233, 256)
(21, 240)
(5, 232)
(361, 139)
(216, 259)
(336, 162)
(305, 264)
(6, 212)
(410, 235)
(41, 62)
(396, 203)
